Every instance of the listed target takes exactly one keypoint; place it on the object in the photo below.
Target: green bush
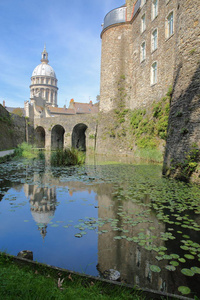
(136, 117)
(26, 150)
(146, 142)
(67, 157)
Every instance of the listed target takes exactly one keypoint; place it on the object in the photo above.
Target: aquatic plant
(26, 150)
(67, 157)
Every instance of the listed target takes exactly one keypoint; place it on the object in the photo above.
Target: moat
(100, 216)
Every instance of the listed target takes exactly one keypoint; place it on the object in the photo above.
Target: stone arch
(78, 137)
(57, 137)
(40, 137)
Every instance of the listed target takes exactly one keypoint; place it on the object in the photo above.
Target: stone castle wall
(143, 92)
(114, 64)
(14, 130)
(184, 119)
(121, 57)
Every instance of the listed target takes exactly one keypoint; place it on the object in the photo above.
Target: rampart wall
(184, 119)
(14, 130)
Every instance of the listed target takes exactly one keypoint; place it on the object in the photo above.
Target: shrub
(67, 157)
(26, 150)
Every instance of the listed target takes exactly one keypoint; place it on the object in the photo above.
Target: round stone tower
(44, 83)
(114, 58)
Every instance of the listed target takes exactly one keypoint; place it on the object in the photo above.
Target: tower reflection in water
(42, 205)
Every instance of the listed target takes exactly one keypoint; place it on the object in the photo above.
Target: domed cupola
(44, 82)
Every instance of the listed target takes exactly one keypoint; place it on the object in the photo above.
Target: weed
(184, 130)
(92, 136)
(178, 114)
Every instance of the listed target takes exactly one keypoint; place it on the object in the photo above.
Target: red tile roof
(61, 110)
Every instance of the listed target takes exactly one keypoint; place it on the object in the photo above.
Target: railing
(117, 15)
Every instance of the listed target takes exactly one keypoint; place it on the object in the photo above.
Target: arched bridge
(78, 131)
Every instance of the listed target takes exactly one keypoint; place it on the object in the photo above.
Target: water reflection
(42, 205)
(77, 200)
(131, 259)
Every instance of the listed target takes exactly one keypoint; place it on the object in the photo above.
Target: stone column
(48, 140)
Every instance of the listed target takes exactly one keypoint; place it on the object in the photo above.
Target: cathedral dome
(44, 70)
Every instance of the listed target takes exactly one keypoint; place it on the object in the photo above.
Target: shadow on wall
(40, 137)
(57, 137)
(78, 137)
(184, 120)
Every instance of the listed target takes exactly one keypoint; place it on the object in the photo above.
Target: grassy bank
(22, 282)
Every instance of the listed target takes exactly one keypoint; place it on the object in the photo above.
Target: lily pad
(189, 256)
(155, 268)
(78, 235)
(170, 268)
(182, 260)
(117, 237)
(195, 270)
(174, 263)
(187, 272)
(184, 290)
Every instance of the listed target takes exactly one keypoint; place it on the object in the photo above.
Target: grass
(149, 155)
(67, 157)
(22, 282)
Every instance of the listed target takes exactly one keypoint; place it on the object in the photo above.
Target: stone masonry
(122, 55)
(184, 119)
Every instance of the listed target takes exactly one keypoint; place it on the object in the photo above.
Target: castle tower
(43, 88)
(114, 58)
(129, 6)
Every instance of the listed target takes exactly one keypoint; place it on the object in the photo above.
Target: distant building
(14, 110)
(43, 95)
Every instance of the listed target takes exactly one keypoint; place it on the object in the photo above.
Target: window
(143, 23)
(154, 73)
(143, 51)
(170, 25)
(154, 9)
(154, 40)
(143, 2)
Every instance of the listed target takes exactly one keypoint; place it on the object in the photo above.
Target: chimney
(4, 103)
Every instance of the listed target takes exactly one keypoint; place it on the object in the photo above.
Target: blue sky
(71, 31)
